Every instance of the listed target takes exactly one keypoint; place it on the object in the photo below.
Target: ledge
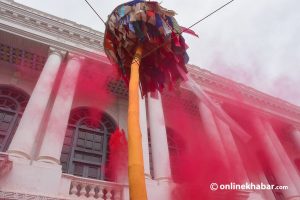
(5, 164)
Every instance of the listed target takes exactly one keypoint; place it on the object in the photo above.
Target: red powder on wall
(118, 153)
(198, 163)
(93, 85)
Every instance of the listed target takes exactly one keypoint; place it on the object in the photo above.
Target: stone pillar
(235, 159)
(291, 169)
(143, 126)
(296, 138)
(58, 120)
(276, 164)
(159, 141)
(212, 132)
(23, 143)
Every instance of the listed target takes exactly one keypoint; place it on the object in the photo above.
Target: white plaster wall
(64, 186)
(32, 177)
(10, 76)
(158, 190)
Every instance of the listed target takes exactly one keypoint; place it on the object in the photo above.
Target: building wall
(31, 166)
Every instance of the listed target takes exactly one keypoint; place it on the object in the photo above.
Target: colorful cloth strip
(148, 24)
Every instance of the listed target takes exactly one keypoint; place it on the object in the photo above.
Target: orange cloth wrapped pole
(137, 186)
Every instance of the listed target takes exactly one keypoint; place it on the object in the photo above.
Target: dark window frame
(100, 126)
(12, 103)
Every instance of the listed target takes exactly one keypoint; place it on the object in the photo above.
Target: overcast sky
(253, 42)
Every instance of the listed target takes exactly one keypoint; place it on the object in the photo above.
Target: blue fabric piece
(186, 57)
(125, 20)
(121, 11)
(158, 23)
(131, 28)
(138, 31)
(170, 22)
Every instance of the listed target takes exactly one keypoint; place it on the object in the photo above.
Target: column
(23, 143)
(58, 120)
(291, 169)
(212, 132)
(143, 126)
(277, 166)
(235, 159)
(296, 138)
(159, 142)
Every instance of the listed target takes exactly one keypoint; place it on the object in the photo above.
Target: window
(150, 153)
(176, 146)
(12, 105)
(270, 175)
(85, 150)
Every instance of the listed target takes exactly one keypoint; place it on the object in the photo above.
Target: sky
(256, 43)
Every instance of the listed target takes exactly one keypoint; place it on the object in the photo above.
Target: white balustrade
(83, 188)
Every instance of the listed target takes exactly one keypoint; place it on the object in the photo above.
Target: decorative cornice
(17, 195)
(216, 85)
(57, 51)
(48, 29)
(72, 56)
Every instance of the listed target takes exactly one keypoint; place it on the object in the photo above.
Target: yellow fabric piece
(137, 186)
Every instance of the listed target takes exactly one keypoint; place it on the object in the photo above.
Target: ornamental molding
(48, 29)
(57, 51)
(5, 164)
(222, 88)
(5, 195)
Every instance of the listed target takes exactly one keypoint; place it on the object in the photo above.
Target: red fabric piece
(189, 31)
(163, 48)
(150, 13)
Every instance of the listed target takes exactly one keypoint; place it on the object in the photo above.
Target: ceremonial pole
(132, 28)
(137, 186)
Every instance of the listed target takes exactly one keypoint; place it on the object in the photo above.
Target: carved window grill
(85, 150)
(12, 105)
(117, 87)
(21, 57)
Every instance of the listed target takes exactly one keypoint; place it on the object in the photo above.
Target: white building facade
(49, 148)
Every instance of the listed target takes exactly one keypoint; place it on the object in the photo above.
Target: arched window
(176, 146)
(85, 149)
(12, 105)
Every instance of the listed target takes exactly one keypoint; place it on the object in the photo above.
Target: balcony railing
(84, 188)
